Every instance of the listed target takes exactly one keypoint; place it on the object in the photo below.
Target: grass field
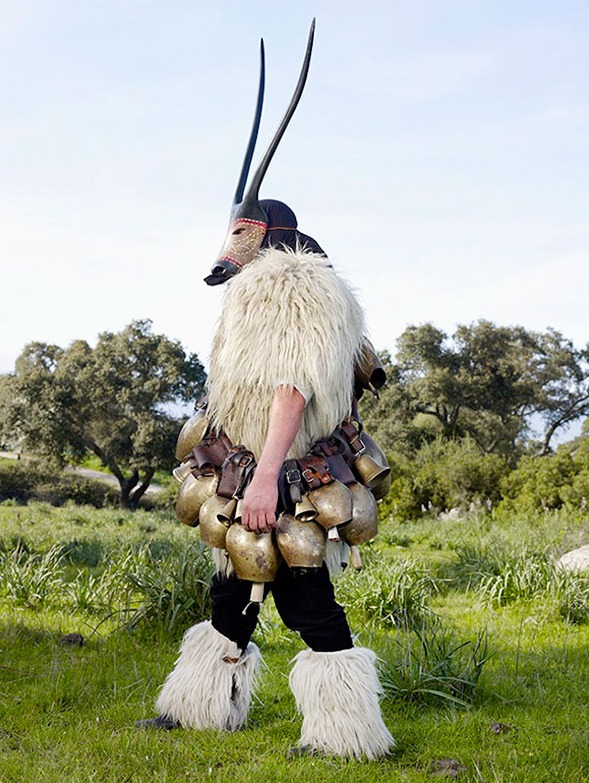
(484, 648)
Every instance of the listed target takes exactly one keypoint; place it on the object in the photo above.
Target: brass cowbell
(191, 496)
(301, 544)
(212, 530)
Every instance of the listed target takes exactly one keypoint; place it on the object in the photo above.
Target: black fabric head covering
(282, 229)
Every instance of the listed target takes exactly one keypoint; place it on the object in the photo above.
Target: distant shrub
(546, 483)
(16, 481)
(402, 502)
(165, 500)
(29, 480)
(456, 473)
(444, 474)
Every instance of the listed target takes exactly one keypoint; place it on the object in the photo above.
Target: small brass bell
(212, 531)
(301, 544)
(369, 471)
(364, 523)
(227, 511)
(191, 496)
(379, 482)
(305, 510)
(191, 434)
(182, 471)
(382, 489)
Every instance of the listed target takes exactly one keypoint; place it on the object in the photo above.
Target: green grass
(67, 713)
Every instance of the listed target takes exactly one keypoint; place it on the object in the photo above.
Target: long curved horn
(254, 188)
(249, 153)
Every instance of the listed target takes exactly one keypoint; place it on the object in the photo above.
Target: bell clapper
(355, 558)
(256, 595)
(333, 534)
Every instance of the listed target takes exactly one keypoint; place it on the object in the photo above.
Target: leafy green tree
(492, 383)
(113, 400)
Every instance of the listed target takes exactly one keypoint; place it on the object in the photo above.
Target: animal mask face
(249, 222)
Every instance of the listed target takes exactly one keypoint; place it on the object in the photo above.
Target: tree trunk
(138, 493)
(570, 414)
(127, 487)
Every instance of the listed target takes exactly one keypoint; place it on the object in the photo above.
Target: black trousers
(304, 600)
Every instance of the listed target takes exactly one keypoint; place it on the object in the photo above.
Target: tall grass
(135, 590)
(432, 665)
(68, 712)
(31, 580)
(395, 594)
(173, 592)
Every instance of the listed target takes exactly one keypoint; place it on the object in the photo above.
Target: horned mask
(249, 220)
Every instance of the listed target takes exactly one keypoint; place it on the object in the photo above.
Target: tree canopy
(495, 384)
(113, 400)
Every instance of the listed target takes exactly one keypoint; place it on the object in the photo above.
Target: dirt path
(96, 475)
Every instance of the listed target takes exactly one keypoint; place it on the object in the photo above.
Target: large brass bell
(254, 556)
(333, 503)
(305, 511)
(212, 530)
(372, 467)
(191, 496)
(191, 434)
(364, 523)
(301, 544)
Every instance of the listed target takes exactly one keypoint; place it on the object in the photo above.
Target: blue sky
(439, 155)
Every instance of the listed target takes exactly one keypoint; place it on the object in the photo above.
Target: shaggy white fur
(223, 564)
(337, 554)
(337, 694)
(288, 319)
(204, 690)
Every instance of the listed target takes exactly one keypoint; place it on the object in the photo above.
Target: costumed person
(279, 475)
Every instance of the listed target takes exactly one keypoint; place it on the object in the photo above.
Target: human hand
(258, 510)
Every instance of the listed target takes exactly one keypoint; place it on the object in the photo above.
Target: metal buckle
(294, 476)
(309, 475)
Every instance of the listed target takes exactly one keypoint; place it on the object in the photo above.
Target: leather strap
(315, 471)
(210, 453)
(294, 479)
(236, 472)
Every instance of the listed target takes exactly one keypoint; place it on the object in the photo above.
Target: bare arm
(261, 497)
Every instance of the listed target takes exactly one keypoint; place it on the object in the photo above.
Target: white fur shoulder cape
(289, 319)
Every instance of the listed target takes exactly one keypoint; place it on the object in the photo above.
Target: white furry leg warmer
(337, 693)
(211, 683)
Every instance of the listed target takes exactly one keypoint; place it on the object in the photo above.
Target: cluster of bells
(334, 512)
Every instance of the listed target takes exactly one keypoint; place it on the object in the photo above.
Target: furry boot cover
(337, 693)
(211, 684)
